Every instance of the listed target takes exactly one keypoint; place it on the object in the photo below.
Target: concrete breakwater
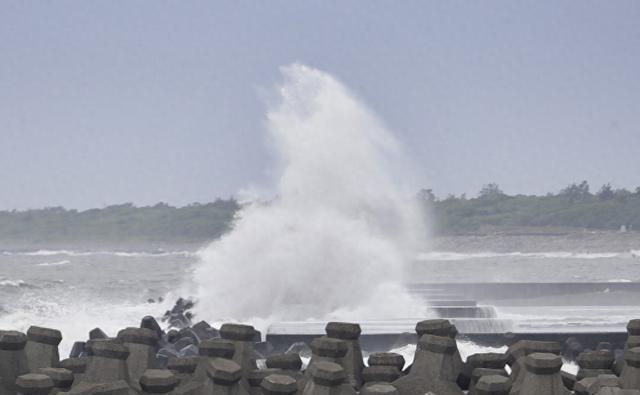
(199, 359)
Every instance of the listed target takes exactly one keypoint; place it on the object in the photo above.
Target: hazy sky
(106, 102)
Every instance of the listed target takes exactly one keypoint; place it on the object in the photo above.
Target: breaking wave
(126, 254)
(336, 239)
(458, 256)
(58, 263)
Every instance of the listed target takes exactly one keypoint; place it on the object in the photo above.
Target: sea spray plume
(335, 241)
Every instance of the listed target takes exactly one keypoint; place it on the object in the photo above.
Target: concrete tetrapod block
(542, 375)
(77, 366)
(325, 349)
(62, 378)
(437, 357)
(380, 374)
(387, 359)
(217, 348)
(13, 360)
(34, 384)
(183, 368)
(214, 349)
(225, 375)
(42, 348)
(96, 334)
(327, 378)
(481, 372)
(436, 327)
(158, 381)
(284, 362)
(119, 387)
(255, 378)
(107, 363)
(142, 344)
(480, 360)
(279, 384)
(633, 327)
(594, 363)
(243, 337)
(352, 362)
(630, 377)
(494, 385)
(149, 322)
(436, 368)
(379, 389)
(517, 353)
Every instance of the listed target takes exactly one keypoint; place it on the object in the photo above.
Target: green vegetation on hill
(120, 223)
(573, 207)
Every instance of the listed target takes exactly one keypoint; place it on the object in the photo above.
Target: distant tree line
(574, 206)
(121, 223)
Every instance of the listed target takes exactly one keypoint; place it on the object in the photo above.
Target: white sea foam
(465, 348)
(125, 254)
(58, 263)
(340, 231)
(11, 283)
(75, 318)
(459, 256)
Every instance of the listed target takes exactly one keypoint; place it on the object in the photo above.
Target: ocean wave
(59, 263)
(12, 283)
(125, 254)
(458, 256)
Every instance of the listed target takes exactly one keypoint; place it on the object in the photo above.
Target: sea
(76, 289)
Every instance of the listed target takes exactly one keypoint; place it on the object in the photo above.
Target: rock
(78, 350)
(148, 322)
(204, 331)
(97, 333)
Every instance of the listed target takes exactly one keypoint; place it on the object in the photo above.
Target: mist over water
(335, 242)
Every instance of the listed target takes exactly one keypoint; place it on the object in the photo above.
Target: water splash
(334, 242)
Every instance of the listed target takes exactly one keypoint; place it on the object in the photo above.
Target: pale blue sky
(106, 102)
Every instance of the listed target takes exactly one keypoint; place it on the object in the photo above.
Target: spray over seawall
(336, 240)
